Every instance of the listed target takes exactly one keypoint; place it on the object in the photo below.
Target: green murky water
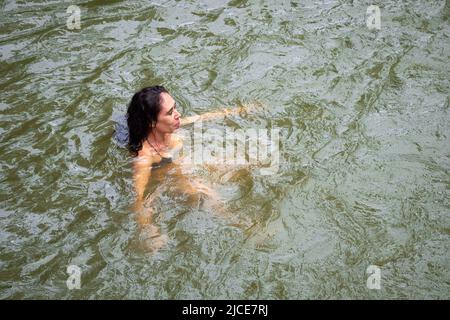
(363, 118)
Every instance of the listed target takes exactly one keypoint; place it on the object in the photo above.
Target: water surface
(363, 118)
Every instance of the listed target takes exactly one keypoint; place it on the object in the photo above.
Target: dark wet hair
(142, 112)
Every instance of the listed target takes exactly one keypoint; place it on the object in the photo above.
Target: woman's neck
(158, 139)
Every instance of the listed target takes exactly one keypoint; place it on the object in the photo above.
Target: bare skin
(161, 141)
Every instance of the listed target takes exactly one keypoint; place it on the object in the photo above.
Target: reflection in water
(364, 157)
(170, 181)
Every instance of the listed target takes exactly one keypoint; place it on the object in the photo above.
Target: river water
(364, 149)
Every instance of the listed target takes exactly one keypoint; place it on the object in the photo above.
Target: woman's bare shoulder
(175, 141)
(145, 157)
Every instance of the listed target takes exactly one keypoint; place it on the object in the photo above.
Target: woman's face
(168, 118)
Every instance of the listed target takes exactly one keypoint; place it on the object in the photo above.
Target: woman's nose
(177, 114)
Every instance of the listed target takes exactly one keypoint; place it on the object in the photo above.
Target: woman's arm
(214, 115)
(151, 236)
(141, 176)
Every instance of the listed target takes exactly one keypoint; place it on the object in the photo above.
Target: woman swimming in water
(152, 119)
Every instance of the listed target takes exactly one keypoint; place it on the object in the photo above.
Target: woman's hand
(152, 239)
(138, 205)
(143, 215)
